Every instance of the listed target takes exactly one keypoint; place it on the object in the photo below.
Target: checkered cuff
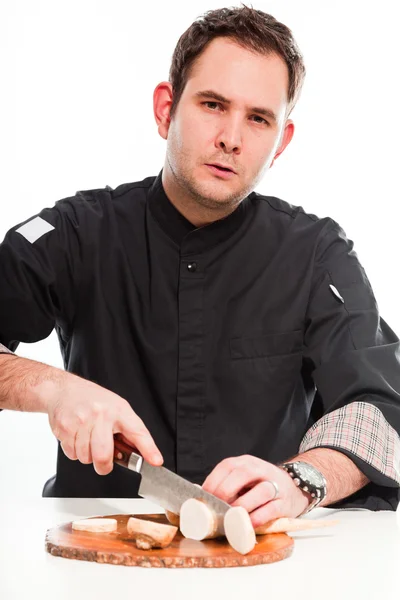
(4, 350)
(361, 429)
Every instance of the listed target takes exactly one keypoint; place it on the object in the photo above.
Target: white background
(77, 79)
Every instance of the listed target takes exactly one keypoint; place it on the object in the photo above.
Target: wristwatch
(308, 479)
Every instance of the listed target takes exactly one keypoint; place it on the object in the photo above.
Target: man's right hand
(85, 416)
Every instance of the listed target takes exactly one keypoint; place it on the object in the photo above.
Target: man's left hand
(246, 481)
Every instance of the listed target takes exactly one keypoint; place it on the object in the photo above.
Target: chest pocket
(268, 345)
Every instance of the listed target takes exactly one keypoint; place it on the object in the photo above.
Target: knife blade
(166, 488)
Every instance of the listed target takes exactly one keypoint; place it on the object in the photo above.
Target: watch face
(307, 472)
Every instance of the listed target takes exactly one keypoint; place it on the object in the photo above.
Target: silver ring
(276, 488)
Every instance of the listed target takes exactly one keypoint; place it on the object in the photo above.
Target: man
(229, 334)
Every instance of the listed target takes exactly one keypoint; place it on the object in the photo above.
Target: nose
(229, 138)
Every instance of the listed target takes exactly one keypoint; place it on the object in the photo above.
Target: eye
(213, 105)
(208, 102)
(261, 121)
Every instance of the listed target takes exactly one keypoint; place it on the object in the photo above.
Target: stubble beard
(190, 186)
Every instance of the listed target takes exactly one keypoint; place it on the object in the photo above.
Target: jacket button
(192, 267)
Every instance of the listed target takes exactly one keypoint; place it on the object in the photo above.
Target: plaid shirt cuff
(361, 429)
(4, 350)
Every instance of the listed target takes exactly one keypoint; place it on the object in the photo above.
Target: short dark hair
(252, 29)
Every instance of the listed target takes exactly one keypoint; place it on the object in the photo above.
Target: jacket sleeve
(40, 270)
(353, 357)
(5, 350)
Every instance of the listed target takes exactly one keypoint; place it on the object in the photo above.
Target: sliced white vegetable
(149, 534)
(197, 520)
(239, 530)
(285, 524)
(95, 525)
(173, 518)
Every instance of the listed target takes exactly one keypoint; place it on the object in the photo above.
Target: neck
(194, 212)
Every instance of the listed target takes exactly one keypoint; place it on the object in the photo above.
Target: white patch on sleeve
(34, 229)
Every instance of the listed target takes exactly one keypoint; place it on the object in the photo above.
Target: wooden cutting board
(118, 549)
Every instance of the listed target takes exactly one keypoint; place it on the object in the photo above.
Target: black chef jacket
(225, 339)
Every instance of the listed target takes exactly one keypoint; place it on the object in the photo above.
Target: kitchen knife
(165, 488)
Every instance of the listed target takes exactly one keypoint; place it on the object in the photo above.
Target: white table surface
(359, 559)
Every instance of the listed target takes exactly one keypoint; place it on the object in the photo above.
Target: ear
(162, 101)
(286, 138)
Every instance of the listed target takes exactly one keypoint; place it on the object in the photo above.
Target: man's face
(206, 130)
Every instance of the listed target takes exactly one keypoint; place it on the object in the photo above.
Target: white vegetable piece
(149, 534)
(239, 530)
(173, 518)
(98, 525)
(285, 524)
(196, 520)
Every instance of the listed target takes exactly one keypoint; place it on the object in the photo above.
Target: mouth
(221, 169)
(221, 166)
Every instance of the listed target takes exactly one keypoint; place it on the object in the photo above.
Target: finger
(236, 482)
(259, 495)
(137, 434)
(121, 437)
(218, 475)
(67, 441)
(263, 514)
(82, 445)
(69, 449)
(102, 447)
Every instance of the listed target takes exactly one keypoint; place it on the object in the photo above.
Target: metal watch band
(313, 504)
(316, 493)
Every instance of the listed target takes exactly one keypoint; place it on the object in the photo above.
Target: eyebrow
(266, 112)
